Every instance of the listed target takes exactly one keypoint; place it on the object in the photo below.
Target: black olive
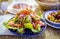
(58, 16)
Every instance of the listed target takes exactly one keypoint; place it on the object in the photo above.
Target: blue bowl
(54, 24)
(29, 32)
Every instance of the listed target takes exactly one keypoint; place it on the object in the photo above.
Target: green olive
(51, 18)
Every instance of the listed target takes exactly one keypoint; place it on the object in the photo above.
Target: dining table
(49, 33)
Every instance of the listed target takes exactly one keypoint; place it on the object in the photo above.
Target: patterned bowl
(52, 24)
(29, 32)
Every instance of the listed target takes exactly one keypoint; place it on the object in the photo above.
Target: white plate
(29, 3)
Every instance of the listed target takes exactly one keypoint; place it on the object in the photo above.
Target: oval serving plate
(28, 32)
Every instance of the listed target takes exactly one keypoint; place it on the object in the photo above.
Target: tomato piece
(34, 25)
(37, 21)
(25, 11)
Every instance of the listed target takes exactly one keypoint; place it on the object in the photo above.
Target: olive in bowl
(52, 18)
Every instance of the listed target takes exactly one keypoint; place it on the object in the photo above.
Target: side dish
(54, 17)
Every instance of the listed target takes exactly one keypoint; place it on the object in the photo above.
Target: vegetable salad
(25, 19)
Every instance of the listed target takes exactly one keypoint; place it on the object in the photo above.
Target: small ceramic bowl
(54, 24)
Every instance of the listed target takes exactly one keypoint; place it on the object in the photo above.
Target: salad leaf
(28, 25)
(15, 19)
(28, 19)
(39, 28)
(7, 26)
(39, 13)
(11, 28)
(5, 23)
(37, 18)
(36, 30)
(21, 30)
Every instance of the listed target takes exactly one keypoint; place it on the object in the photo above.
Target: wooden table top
(50, 33)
